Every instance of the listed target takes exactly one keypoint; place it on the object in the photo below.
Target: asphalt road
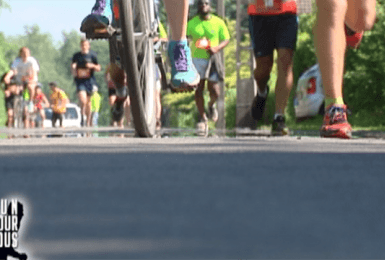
(250, 197)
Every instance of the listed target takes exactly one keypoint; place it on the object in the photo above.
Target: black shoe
(258, 106)
(279, 127)
(94, 21)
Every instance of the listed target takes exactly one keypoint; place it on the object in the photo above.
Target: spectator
(59, 101)
(209, 35)
(95, 107)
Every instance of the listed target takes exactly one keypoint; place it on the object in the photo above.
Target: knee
(199, 91)
(261, 74)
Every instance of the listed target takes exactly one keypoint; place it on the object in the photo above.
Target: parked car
(72, 117)
(309, 99)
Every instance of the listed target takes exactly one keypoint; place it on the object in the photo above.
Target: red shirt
(279, 7)
(38, 100)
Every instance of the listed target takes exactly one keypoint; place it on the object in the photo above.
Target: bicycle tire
(139, 63)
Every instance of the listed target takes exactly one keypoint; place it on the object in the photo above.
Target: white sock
(262, 94)
(277, 115)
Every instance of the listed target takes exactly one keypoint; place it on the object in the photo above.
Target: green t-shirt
(95, 102)
(162, 31)
(213, 29)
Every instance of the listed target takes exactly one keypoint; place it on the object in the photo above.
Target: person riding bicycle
(184, 76)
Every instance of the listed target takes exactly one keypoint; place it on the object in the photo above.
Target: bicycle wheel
(139, 62)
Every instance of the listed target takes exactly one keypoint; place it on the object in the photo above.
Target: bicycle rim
(139, 63)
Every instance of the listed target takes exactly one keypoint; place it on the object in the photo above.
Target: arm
(73, 69)
(93, 66)
(45, 102)
(8, 76)
(222, 44)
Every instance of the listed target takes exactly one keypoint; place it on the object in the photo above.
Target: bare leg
(177, 14)
(127, 111)
(88, 111)
(330, 43)
(199, 100)
(82, 96)
(284, 80)
(361, 14)
(262, 72)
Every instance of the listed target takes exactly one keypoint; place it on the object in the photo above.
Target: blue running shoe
(184, 76)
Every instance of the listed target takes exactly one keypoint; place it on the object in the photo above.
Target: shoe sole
(280, 133)
(203, 132)
(336, 134)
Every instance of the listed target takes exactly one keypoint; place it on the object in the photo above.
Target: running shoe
(213, 113)
(202, 128)
(336, 123)
(258, 106)
(184, 76)
(279, 127)
(99, 17)
(353, 39)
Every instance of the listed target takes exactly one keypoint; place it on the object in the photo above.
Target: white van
(72, 117)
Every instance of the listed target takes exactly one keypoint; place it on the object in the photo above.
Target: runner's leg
(284, 79)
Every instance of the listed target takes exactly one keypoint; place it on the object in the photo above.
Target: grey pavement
(249, 197)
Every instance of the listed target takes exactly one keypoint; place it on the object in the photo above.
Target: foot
(98, 20)
(353, 39)
(202, 128)
(335, 124)
(184, 76)
(258, 106)
(213, 113)
(279, 127)
(94, 23)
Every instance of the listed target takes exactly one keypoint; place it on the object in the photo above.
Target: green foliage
(55, 63)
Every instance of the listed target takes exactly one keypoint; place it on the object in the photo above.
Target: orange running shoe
(353, 39)
(335, 124)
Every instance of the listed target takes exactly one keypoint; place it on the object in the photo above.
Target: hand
(90, 66)
(23, 257)
(213, 50)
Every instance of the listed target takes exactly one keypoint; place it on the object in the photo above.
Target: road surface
(245, 197)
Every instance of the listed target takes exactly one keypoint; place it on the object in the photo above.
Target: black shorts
(9, 101)
(270, 32)
(111, 92)
(55, 117)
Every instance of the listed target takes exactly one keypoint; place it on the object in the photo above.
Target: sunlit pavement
(252, 196)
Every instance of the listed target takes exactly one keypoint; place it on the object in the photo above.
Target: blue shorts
(86, 87)
(202, 66)
(270, 32)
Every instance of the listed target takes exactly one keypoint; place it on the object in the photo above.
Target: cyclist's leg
(183, 74)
